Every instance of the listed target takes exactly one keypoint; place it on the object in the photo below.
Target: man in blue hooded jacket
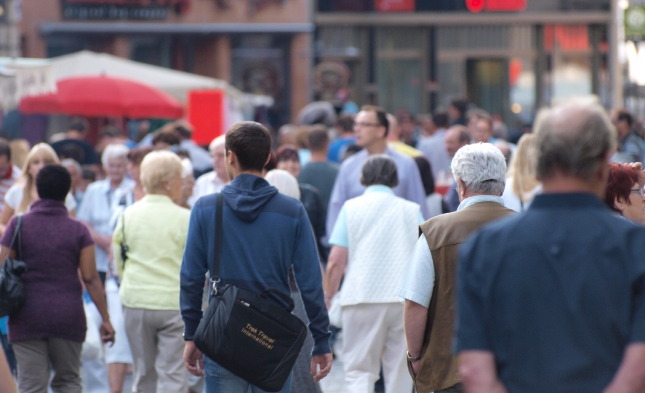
(264, 234)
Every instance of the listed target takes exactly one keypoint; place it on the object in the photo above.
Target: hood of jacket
(246, 195)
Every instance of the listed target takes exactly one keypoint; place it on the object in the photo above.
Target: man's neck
(562, 184)
(318, 156)
(236, 174)
(377, 147)
(115, 184)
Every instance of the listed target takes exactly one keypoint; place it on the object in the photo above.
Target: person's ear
(383, 132)
(461, 188)
(619, 204)
(230, 157)
(267, 160)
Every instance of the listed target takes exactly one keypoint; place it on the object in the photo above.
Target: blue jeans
(220, 380)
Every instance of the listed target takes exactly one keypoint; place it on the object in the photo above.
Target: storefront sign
(496, 5)
(116, 9)
(394, 5)
(635, 22)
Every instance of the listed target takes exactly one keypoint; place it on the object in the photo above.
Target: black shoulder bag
(251, 335)
(12, 290)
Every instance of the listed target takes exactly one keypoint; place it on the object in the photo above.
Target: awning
(49, 28)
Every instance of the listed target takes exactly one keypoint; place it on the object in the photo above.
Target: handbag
(12, 290)
(251, 335)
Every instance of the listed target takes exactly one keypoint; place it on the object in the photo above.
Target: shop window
(400, 77)
(151, 50)
(570, 62)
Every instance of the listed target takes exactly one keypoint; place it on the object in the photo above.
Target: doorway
(487, 82)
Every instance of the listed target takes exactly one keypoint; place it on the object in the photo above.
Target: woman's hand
(107, 332)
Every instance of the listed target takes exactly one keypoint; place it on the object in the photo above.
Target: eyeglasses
(638, 191)
(361, 124)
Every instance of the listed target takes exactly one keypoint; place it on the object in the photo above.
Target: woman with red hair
(624, 193)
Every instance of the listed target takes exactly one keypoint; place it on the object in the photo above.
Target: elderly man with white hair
(214, 181)
(428, 285)
(96, 212)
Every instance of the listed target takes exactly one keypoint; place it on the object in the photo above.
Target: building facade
(506, 56)
(259, 46)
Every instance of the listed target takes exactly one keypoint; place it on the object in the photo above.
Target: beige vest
(444, 234)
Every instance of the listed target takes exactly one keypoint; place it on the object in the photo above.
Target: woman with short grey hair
(380, 229)
(479, 168)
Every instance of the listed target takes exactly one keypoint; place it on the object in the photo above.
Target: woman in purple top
(50, 328)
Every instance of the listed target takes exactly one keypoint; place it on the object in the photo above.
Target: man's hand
(415, 366)
(107, 332)
(193, 359)
(324, 361)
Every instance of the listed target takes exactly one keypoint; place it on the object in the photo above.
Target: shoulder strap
(124, 246)
(17, 236)
(218, 241)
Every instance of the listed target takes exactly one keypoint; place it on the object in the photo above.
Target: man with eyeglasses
(370, 127)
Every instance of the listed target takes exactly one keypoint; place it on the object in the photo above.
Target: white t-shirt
(13, 197)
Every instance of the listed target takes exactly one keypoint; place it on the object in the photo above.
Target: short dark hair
(425, 170)
(318, 138)
(345, 123)
(251, 143)
(623, 114)
(461, 104)
(379, 169)
(53, 182)
(135, 156)
(5, 148)
(77, 126)
(287, 153)
(381, 116)
(168, 137)
(441, 119)
(183, 131)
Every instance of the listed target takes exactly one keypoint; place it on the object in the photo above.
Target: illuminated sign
(394, 5)
(496, 5)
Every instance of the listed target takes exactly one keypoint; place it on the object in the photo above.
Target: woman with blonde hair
(22, 194)
(148, 246)
(521, 183)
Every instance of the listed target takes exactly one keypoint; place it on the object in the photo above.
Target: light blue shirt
(348, 184)
(96, 210)
(340, 235)
(418, 280)
(199, 157)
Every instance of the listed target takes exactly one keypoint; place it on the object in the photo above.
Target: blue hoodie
(265, 233)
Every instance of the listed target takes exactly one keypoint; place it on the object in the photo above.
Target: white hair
(217, 142)
(482, 168)
(114, 151)
(284, 182)
(187, 166)
(72, 162)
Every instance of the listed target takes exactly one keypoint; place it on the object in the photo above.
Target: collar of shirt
(478, 199)
(378, 188)
(577, 200)
(157, 198)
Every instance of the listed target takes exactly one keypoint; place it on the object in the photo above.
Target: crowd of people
(402, 231)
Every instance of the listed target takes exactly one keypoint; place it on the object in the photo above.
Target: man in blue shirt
(553, 300)
(265, 233)
(371, 131)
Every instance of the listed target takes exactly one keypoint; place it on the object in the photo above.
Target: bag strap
(219, 212)
(17, 236)
(124, 247)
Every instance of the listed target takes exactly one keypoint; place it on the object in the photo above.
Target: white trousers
(373, 335)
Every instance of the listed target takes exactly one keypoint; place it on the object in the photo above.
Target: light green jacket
(155, 233)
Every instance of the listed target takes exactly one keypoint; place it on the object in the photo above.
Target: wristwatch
(413, 359)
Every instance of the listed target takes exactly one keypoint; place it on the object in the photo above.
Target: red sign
(394, 5)
(496, 5)
(206, 114)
